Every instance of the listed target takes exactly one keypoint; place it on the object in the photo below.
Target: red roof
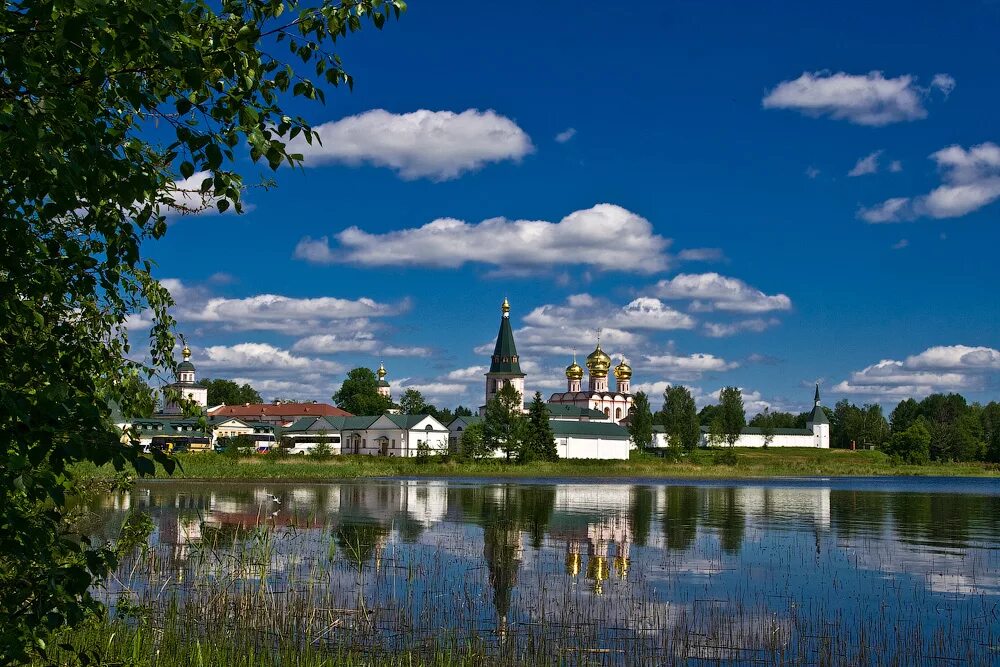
(287, 410)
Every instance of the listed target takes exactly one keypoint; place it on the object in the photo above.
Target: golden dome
(623, 371)
(598, 362)
(381, 371)
(186, 353)
(574, 371)
(505, 307)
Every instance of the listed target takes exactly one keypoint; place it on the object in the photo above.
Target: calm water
(790, 572)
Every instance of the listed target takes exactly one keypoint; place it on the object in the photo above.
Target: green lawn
(704, 464)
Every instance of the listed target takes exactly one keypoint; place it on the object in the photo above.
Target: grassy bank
(698, 465)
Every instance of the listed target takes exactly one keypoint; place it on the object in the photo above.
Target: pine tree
(539, 441)
(503, 424)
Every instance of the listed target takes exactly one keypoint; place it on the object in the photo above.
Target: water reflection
(658, 569)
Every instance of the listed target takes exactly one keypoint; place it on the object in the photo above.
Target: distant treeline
(941, 427)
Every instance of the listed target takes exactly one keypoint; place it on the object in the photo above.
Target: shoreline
(769, 465)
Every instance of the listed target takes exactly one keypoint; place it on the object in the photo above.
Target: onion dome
(574, 371)
(185, 365)
(623, 371)
(381, 375)
(598, 362)
(505, 307)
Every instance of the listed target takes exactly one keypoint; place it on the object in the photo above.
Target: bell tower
(505, 369)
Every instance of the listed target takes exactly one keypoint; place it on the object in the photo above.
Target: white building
(382, 435)
(615, 404)
(816, 434)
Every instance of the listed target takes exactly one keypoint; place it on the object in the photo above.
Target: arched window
(618, 413)
(607, 412)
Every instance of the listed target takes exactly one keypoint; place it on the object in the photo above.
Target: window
(607, 412)
(618, 413)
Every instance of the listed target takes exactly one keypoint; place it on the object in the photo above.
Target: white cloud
(895, 166)
(711, 291)
(939, 368)
(690, 367)
(753, 402)
(435, 389)
(566, 135)
(606, 237)
(869, 99)
(468, 374)
(701, 255)
(260, 357)
(753, 325)
(400, 351)
(866, 165)
(333, 343)
(439, 145)
(971, 180)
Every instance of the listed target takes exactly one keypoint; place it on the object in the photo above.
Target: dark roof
(287, 410)
(185, 366)
(568, 410)
(505, 359)
(468, 419)
(818, 415)
(756, 430)
(383, 383)
(567, 428)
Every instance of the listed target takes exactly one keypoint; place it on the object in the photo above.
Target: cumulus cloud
(260, 357)
(866, 165)
(936, 369)
(605, 237)
(711, 291)
(467, 374)
(753, 325)
(439, 145)
(701, 255)
(333, 343)
(970, 181)
(864, 99)
(676, 367)
(566, 135)
(402, 351)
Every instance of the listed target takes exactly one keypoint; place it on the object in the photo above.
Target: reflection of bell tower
(503, 552)
(572, 558)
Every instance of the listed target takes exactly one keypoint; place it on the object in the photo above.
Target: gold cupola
(598, 362)
(623, 371)
(574, 371)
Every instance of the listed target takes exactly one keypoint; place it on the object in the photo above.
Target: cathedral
(506, 369)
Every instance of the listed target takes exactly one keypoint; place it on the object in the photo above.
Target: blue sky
(693, 162)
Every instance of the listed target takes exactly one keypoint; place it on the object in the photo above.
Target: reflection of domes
(598, 362)
(597, 571)
(572, 564)
(574, 371)
(623, 371)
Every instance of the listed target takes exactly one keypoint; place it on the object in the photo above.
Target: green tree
(462, 411)
(679, 417)
(912, 445)
(111, 115)
(473, 443)
(767, 428)
(227, 392)
(640, 425)
(707, 414)
(539, 441)
(779, 419)
(359, 394)
(730, 418)
(991, 431)
(412, 403)
(904, 415)
(504, 424)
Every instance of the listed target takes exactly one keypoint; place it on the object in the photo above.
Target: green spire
(505, 359)
(816, 400)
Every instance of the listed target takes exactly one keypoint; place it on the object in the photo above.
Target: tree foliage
(112, 115)
(539, 441)
(504, 423)
(412, 403)
(473, 443)
(912, 445)
(680, 418)
(767, 427)
(640, 425)
(730, 418)
(359, 394)
(221, 391)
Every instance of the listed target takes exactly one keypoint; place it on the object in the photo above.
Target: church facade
(615, 404)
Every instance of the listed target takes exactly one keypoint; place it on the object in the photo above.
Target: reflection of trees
(725, 515)
(858, 512)
(640, 513)
(359, 540)
(680, 517)
(942, 519)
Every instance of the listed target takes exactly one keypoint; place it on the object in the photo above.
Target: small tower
(383, 386)
(504, 365)
(186, 385)
(819, 424)
(623, 377)
(598, 363)
(574, 376)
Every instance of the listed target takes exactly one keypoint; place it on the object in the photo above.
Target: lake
(825, 571)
